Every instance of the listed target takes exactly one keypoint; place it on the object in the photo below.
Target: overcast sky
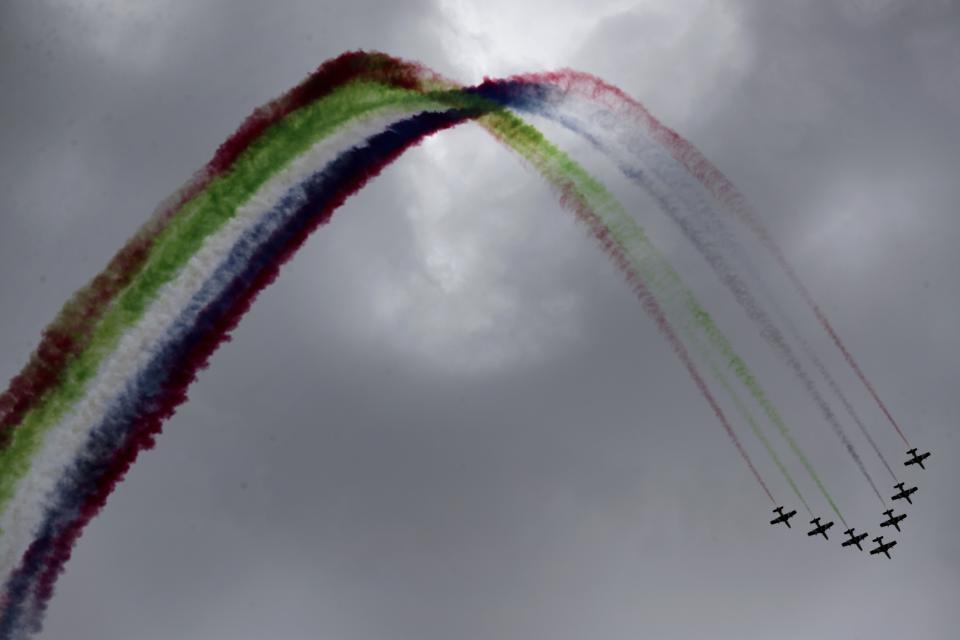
(449, 418)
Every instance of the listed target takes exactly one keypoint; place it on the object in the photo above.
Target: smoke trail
(31, 585)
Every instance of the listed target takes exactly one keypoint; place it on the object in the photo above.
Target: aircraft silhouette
(904, 494)
(893, 521)
(916, 459)
(883, 548)
(783, 517)
(820, 529)
(854, 539)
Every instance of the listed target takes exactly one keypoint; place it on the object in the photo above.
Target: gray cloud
(449, 418)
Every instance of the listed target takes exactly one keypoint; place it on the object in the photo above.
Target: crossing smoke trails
(118, 359)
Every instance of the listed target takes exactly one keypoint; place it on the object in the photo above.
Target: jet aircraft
(883, 548)
(892, 520)
(820, 529)
(904, 494)
(783, 517)
(916, 459)
(854, 539)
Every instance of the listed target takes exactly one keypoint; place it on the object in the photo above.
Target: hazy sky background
(450, 418)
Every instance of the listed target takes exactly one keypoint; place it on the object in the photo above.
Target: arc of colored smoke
(89, 367)
(180, 235)
(527, 95)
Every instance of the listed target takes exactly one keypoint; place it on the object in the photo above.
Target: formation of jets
(856, 539)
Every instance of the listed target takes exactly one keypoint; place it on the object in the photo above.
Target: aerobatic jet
(820, 529)
(904, 494)
(883, 548)
(854, 539)
(893, 521)
(783, 517)
(916, 459)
